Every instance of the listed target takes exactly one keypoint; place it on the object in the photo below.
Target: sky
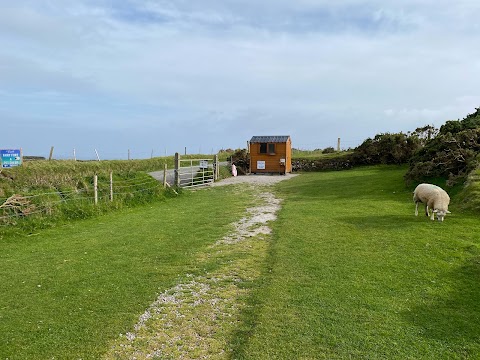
(152, 78)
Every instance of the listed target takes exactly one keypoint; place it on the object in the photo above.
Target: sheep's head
(441, 214)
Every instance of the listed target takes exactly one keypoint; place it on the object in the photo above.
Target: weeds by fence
(42, 193)
(90, 196)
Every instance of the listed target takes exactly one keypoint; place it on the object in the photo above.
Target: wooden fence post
(338, 144)
(165, 175)
(111, 185)
(216, 168)
(95, 188)
(177, 169)
(51, 153)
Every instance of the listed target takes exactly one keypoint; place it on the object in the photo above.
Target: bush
(452, 154)
(241, 159)
(341, 162)
(471, 121)
(382, 149)
(386, 149)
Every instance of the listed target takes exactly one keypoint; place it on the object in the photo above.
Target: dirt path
(254, 179)
(197, 318)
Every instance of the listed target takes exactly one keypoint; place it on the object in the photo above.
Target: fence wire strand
(35, 204)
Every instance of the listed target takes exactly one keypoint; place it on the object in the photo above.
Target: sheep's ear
(435, 210)
(448, 212)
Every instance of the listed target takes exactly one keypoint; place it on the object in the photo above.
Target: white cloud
(306, 68)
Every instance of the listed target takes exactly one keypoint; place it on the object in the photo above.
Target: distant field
(348, 272)
(316, 154)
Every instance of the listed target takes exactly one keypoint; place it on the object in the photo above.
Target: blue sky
(159, 76)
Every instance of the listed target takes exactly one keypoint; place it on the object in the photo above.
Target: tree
(425, 134)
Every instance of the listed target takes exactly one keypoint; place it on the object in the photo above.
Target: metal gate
(190, 173)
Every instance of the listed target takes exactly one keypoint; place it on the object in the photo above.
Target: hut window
(267, 148)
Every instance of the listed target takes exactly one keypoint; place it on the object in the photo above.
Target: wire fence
(63, 153)
(98, 192)
(89, 154)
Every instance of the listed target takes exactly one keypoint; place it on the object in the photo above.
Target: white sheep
(434, 197)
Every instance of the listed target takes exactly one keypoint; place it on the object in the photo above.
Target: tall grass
(470, 194)
(49, 191)
(44, 174)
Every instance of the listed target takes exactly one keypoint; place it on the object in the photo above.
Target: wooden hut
(270, 154)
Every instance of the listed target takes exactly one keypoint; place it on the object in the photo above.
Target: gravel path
(196, 318)
(254, 179)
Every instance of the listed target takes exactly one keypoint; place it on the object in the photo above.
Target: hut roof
(269, 139)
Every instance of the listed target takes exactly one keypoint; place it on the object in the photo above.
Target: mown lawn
(68, 291)
(350, 273)
(354, 274)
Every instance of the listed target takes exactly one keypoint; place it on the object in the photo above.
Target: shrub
(241, 159)
(341, 162)
(452, 154)
(386, 149)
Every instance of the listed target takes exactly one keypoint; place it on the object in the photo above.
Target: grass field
(353, 274)
(317, 154)
(68, 291)
(349, 272)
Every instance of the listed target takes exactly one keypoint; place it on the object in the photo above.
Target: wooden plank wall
(272, 161)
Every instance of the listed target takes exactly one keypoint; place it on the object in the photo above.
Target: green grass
(470, 194)
(62, 190)
(43, 174)
(354, 274)
(68, 291)
(349, 272)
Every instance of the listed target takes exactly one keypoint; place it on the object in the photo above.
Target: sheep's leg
(426, 210)
(416, 208)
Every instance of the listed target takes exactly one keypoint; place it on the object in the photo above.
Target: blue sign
(10, 158)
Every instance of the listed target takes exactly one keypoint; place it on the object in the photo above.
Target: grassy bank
(42, 174)
(354, 274)
(41, 193)
(470, 194)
